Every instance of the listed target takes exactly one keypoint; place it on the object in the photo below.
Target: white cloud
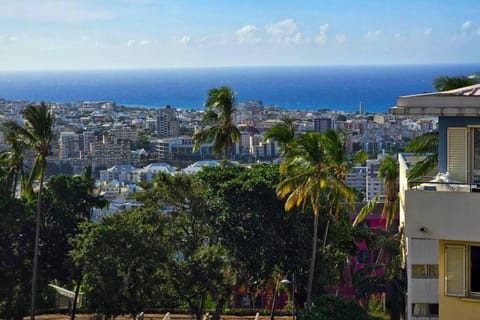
(247, 34)
(185, 40)
(322, 37)
(427, 32)
(8, 39)
(131, 43)
(284, 31)
(372, 35)
(84, 38)
(341, 38)
(466, 26)
(145, 43)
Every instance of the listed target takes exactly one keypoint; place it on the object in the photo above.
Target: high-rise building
(167, 123)
(323, 124)
(69, 146)
(86, 139)
(361, 108)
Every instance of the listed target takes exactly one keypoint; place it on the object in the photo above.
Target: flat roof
(458, 102)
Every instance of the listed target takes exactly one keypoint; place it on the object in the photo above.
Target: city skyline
(128, 34)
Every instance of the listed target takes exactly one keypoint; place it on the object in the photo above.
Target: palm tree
(220, 128)
(445, 83)
(283, 133)
(314, 165)
(13, 157)
(388, 170)
(37, 133)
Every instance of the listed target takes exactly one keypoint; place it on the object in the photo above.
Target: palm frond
(365, 211)
(423, 167)
(425, 143)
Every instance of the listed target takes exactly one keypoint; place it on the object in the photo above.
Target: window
(462, 270)
(424, 309)
(425, 270)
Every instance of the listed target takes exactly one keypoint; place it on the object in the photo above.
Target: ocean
(294, 88)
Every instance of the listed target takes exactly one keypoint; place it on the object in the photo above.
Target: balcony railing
(428, 184)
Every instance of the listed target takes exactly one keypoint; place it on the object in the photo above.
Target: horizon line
(153, 68)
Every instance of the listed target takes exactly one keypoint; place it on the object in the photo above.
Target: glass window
(425, 309)
(425, 270)
(475, 269)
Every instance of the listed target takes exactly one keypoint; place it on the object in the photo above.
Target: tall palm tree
(218, 117)
(388, 170)
(283, 133)
(312, 168)
(339, 163)
(37, 133)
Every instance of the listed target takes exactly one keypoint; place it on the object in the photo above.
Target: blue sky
(87, 34)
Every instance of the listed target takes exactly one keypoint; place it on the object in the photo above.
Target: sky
(130, 34)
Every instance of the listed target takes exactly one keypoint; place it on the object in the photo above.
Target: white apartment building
(167, 123)
(441, 217)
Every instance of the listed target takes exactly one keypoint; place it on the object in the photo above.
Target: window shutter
(455, 270)
(457, 153)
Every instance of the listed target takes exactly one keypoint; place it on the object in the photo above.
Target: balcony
(437, 210)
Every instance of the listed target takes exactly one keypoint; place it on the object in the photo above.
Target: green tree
(14, 158)
(124, 259)
(250, 220)
(199, 266)
(218, 117)
(37, 133)
(67, 202)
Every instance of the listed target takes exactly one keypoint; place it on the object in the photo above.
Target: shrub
(330, 307)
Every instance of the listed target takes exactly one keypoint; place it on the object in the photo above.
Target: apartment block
(440, 216)
(167, 123)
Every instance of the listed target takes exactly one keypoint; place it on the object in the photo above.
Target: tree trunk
(77, 292)
(218, 309)
(325, 233)
(312, 262)
(36, 249)
(274, 300)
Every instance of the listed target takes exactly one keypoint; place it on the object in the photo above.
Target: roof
(160, 166)
(122, 167)
(458, 102)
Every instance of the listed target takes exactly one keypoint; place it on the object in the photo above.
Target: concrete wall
(442, 215)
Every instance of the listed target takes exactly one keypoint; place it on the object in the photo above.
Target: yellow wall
(461, 308)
